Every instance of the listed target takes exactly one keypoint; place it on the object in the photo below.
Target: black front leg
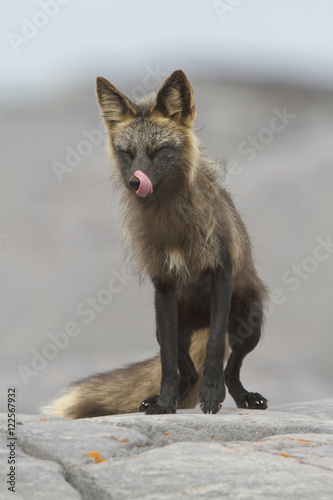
(166, 306)
(212, 391)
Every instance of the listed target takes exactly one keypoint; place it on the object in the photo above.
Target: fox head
(152, 144)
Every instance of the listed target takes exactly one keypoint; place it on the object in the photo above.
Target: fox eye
(160, 151)
(125, 155)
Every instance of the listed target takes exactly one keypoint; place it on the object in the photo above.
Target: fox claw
(210, 409)
(146, 403)
(252, 401)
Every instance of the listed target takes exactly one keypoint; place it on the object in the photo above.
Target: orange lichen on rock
(97, 457)
(285, 455)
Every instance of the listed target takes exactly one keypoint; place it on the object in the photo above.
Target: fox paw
(151, 407)
(252, 401)
(146, 403)
(210, 407)
(211, 396)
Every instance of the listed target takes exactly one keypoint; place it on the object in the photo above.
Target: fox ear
(175, 99)
(114, 105)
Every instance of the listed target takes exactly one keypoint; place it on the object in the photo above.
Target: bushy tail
(122, 390)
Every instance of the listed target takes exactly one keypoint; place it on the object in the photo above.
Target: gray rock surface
(284, 452)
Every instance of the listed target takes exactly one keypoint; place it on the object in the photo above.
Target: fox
(184, 233)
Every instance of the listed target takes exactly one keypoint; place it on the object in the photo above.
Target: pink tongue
(146, 186)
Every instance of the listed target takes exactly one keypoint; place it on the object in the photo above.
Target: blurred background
(262, 74)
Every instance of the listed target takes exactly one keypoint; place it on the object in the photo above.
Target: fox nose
(134, 183)
(141, 183)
